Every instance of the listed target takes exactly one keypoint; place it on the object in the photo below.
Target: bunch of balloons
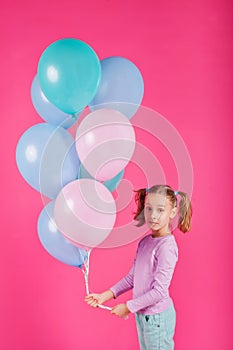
(78, 175)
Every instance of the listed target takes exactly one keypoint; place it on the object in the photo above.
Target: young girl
(152, 271)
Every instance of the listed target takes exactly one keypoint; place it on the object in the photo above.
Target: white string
(85, 270)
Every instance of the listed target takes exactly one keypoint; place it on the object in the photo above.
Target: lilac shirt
(150, 275)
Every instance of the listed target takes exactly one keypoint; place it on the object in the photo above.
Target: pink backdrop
(184, 51)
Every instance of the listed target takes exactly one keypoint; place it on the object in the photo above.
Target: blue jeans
(155, 332)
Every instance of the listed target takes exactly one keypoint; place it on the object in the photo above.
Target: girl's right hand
(95, 299)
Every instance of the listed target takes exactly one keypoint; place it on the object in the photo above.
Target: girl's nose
(155, 215)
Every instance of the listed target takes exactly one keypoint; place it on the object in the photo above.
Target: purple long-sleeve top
(150, 275)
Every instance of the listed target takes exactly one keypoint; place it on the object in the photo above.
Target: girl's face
(158, 211)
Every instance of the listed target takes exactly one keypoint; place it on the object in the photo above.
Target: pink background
(184, 51)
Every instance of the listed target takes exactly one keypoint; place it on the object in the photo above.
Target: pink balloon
(85, 212)
(105, 142)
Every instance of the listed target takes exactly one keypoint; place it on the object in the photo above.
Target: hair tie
(147, 190)
(176, 193)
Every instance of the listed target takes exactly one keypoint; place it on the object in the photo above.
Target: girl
(152, 271)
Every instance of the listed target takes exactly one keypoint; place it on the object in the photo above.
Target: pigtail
(185, 212)
(140, 201)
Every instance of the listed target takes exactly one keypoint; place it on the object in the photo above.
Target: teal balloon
(50, 113)
(111, 184)
(69, 73)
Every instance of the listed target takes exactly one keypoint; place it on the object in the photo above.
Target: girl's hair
(184, 209)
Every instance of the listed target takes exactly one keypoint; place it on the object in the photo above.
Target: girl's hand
(94, 299)
(120, 310)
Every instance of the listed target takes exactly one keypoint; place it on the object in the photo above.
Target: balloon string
(85, 270)
(105, 307)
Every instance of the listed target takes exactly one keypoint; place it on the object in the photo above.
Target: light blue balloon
(50, 113)
(69, 74)
(54, 242)
(111, 184)
(47, 159)
(121, 86)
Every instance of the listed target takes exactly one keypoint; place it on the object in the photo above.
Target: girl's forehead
(157, 199)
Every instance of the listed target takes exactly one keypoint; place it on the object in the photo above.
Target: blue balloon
(50, 113)
(121, 86)
(69, 74)
(55, 243)
(111, 184)
(47, 159)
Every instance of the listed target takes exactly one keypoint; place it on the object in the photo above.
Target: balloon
(55, 243)
(69, 73)
(105, 142)
(50, 113)
(110, 184)
(121, 86)
(85, 212)
(47, 159)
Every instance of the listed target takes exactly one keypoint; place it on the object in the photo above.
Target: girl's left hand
(120, 310)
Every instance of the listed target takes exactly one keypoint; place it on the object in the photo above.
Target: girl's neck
(157, 234)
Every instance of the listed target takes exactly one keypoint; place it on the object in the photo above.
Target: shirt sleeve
(125, 284)
(167, 258)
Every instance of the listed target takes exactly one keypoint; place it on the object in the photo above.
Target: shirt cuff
(114, 292)
(129, 304)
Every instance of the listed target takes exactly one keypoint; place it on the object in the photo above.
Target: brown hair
(184, 209)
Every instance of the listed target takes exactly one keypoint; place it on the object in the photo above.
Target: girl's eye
(148, 209)
(160, 210)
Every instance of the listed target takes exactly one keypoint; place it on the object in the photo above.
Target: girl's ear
(173, 213)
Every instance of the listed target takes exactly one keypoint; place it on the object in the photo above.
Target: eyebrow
(158, 205)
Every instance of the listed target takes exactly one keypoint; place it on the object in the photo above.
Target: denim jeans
(155, 332)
